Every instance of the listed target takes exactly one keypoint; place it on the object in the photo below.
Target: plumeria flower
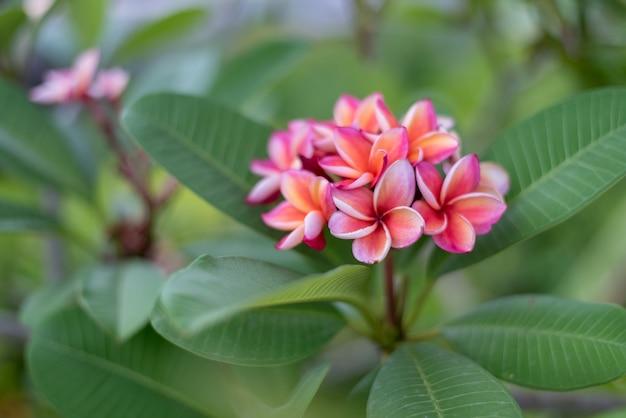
(305, 212)
(361, 160)
(454, 209)
(381, 219)
(70, 84)
(493, 179)
(284, 149)
(429, 140)
(80, 82)
(361, 114)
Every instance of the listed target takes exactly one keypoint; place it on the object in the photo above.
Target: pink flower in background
(378, 220)
(453, 209)
(307, 207)
(361, 114)
(361, 160)
(493, 179)
(79, 82)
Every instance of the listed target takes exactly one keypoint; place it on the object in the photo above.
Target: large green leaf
(153, 35)
(559, 161)
(83, 373)
(32, 148)
(212, 290)
(544, 342)
(424, 380)
(207, 147)
(258, 337)
(120, 297)
(245, 311)
(16, 217)
(88, 19)
(11, 18)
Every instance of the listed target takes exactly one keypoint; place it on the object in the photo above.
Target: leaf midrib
(126, 373)
(431, 393)
(542, 332)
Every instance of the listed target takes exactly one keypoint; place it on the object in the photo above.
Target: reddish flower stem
(390, 297)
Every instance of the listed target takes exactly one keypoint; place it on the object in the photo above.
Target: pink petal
(419, 120)
(395, 188)
(362, 180)
(462, 178)
(395, 145)
(353, 148)
(314, 223)
(384, 117)
(437, 146)
(478, 208)
(84, 69)
(345, 109)
(292, 239)
(284, 217)
(365, 117)
(493, 175)
(321, 194)
(295, 186)
(434, 220)
(266, 190)
(429, 182)
(346, 227)
(109, 84)
(458, 237)
(405, 226)
(280, 151)
(264, 167)
(374, 247)
(358, 203)
(301, 138)
(334, 164)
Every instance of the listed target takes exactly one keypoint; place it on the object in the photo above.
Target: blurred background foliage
(486, 64)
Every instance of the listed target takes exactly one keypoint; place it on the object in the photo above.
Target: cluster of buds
(378, 181)
(81, 82)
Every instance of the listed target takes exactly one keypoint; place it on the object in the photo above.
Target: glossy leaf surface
(120, 297)
(544, 342)
(424, 380)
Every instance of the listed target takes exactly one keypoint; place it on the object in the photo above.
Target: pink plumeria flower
(381, 219)
(70, 84)
(428, 137)
(352, 112)
(362, 159)
(305, 212)
(454, 210)
(284, 149)
(109, 84)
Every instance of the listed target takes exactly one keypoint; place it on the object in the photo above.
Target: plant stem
(419, 303)
(390, 297)
(423, 336)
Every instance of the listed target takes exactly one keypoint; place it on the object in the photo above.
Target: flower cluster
(81, 82)
(373, 179)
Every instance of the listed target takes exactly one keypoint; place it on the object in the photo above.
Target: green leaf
(253, 73)
(15, 217)
(11, 18)
(424, 380)
(88, 19)
(259, 337)
(212, 290)
(559, 161)
(83, 373)
(207, 147)
(48, 300)
(120, 297)
(245, 311)
(31, 147)
(153, 35)
(544, 342)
